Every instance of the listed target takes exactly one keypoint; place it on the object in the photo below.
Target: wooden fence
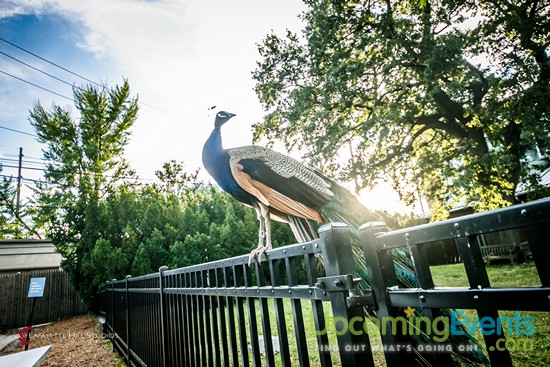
(60, 300)
(225, 313)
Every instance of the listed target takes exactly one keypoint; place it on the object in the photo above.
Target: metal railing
(533, 217)
(227, 313)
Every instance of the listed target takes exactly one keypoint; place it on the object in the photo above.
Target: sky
(181, 57)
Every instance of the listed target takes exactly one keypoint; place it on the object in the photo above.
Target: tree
(107, 227)
(14, 219)
(108, 263)
(7, 208)
(444, 97)
(174, 179)
(85, 164)
(151, 255)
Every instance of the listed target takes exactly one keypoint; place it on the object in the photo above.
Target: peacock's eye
(221, 115)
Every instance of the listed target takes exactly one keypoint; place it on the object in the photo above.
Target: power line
(155, 108)
(36, 85)
(18, 131)
(28, 158)
(37, 69)
(30, 168)
(13, 178)
(31, 160)
(65, 69)
(16, 160)
(26, 161)
(49, 62)
(83, 172)
(33, 180)
(64, 81)
(8, 160)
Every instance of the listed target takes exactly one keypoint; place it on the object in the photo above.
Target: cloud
(127, 28)
(179, 56)
(22, 7)
(116, 28)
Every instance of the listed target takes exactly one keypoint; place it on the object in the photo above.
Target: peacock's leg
(261, 232)
(262, 212)
(267, 231)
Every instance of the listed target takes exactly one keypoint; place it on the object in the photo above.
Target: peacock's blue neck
(213, 144)
(214, 157)
(216, 162)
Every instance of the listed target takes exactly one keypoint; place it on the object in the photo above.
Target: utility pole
(19, 177)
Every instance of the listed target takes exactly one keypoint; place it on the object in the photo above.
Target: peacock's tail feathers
(347, 209)
(304, 230)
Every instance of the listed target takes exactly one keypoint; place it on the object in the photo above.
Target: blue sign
(36, 288)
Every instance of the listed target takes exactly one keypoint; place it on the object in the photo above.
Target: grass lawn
(536, 353)
(537, 346)
(310, 333)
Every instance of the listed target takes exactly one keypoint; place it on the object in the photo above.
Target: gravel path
(75, 342)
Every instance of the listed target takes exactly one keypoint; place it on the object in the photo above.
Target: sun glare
(384, 197)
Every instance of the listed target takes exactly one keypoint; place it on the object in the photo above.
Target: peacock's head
(222, 117)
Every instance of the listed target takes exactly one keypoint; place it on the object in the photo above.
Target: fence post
(381, 273)
(162, 314)
(21, 309)
(354, 345)
(113, 308)
(478, 278)
(128, 321)
(106, 307)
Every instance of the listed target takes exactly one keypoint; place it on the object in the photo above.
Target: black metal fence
(227, 313)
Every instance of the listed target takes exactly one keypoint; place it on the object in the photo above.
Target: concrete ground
(5, 340)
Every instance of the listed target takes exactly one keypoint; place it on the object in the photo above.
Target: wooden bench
(499, 252)
(526, 251)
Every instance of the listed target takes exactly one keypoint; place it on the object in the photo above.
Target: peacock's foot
(258, 252)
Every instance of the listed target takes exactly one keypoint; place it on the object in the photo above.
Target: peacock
(281, 188)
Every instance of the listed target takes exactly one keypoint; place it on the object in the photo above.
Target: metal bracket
(338, 283)
(366, 299)
(343, 283)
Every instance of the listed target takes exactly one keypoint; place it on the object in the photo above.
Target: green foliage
(110, 232)
(14, 221)
(174, 179)
(152, 227)
(150, 255)
(107, 262)
(84, 165)
(396, 220)
(8, 221)
(443, 97)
